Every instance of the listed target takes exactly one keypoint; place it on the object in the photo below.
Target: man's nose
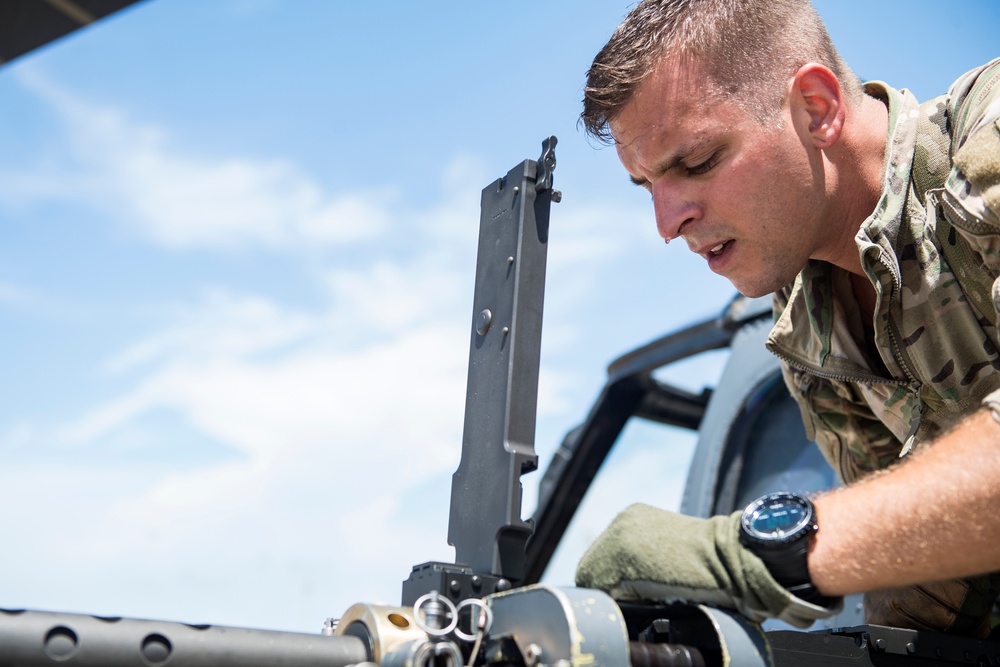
(674, 209)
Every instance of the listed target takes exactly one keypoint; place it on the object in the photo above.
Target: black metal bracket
(498, 442)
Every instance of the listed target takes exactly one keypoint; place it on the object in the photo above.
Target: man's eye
(705, 166)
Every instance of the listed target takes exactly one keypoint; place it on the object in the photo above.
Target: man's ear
(818, 102)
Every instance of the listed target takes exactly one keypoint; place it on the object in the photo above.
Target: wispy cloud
(13, 294)
(177, 197)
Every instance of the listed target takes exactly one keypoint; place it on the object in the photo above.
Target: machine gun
(487, 608)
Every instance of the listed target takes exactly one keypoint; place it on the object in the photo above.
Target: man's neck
(857, 166)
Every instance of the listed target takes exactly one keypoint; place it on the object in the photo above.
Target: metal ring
(435, 598)
(486, 611)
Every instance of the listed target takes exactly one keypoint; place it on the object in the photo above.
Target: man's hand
(651, 554)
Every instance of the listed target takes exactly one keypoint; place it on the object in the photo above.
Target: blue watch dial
(777, 516)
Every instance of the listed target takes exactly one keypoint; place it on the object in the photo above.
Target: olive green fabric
(979, 160)
(651, 554)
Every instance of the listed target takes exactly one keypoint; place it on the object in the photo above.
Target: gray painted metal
(36, 639)
(579, 626)
(743, 643)
(750, 366)
(498, 444)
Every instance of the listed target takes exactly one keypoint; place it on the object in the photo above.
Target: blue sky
(237, 248)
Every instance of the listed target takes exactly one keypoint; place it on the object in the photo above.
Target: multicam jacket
(931, 249)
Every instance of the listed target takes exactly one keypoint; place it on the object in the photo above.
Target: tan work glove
(659, 556)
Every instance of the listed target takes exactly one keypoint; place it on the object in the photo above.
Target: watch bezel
(803, 528)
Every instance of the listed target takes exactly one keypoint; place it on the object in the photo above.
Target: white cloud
(13, 294)
(221, 326)
(178, 198)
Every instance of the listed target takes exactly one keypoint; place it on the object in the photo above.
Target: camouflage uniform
(931, 249)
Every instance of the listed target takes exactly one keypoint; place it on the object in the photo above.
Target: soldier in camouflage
(875, 221)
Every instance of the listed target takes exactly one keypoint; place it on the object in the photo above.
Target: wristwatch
(778, 528)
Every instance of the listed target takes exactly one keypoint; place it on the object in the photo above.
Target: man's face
(747, 197)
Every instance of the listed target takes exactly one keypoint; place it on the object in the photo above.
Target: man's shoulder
(958, 147)
(973, 100)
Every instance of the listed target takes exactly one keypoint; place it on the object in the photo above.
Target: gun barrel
(36, 638)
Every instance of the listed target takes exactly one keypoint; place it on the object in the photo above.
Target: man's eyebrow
(677, 158)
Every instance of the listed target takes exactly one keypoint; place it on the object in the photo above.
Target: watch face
(777, 516)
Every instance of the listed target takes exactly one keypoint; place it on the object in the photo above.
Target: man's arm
(933, 517)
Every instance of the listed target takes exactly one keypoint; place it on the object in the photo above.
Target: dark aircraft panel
(26, 25)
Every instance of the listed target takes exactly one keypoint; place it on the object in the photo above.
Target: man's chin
(753, 294)
(758, 288)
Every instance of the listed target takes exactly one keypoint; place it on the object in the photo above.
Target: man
(875, 221)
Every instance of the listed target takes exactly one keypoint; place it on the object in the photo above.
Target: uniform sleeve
(972, 190)
(971, 196)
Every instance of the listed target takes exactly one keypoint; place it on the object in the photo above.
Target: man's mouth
(717, 250)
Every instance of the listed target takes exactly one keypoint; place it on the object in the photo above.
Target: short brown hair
(750, 46)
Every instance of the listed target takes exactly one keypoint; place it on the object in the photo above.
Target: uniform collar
(805, 330)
